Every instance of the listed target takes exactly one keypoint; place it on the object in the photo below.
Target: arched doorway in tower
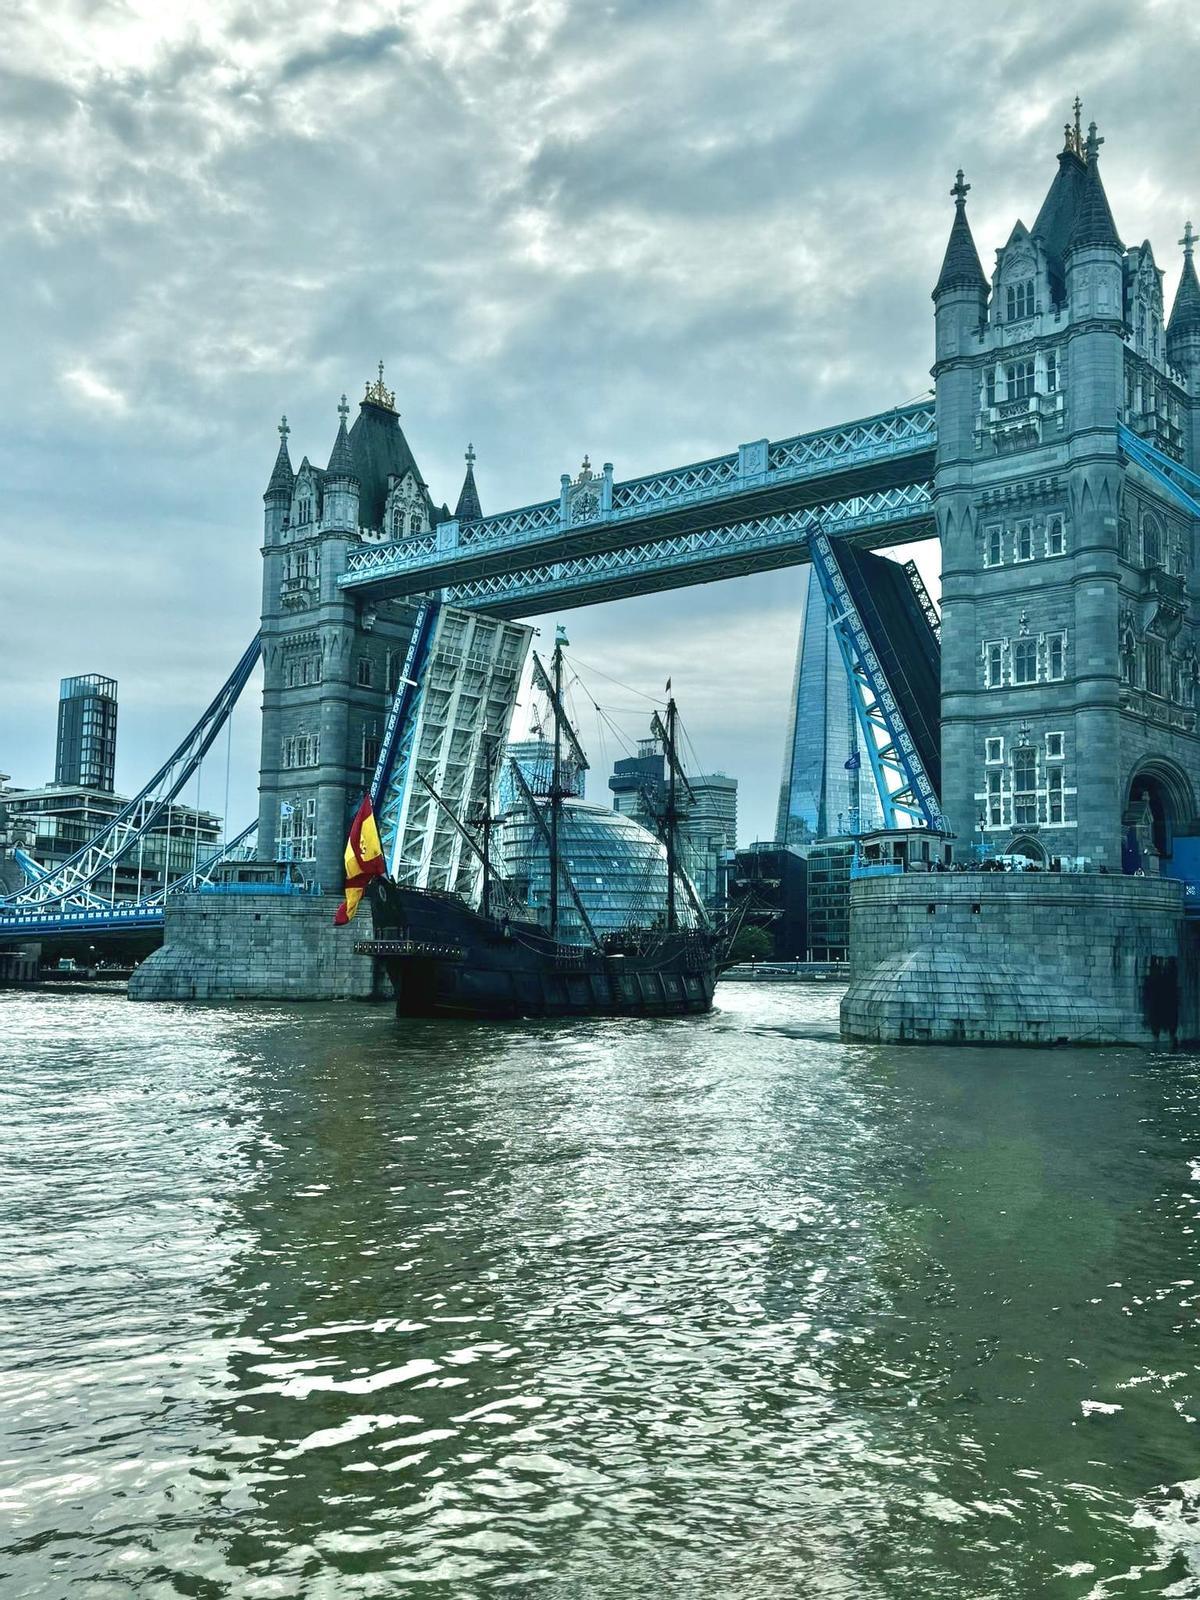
(1032, 849)
(1159, 802)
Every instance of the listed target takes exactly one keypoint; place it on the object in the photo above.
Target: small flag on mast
(853, 761)
(364, 861)
(667, 690)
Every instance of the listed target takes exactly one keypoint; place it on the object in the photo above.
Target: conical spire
(282, 477)
(1185, 313)
(960, 264)
(1093, 223)
(468, 508)
(341, 461)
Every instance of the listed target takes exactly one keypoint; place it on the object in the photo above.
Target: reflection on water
(301, 1302)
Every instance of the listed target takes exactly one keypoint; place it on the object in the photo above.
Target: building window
(1151, 541)
(1051, 371)
(1123, 539)
(392, 671)
(414, 523)
(1054, 746)
(1154, 337)
(370, 746)
(302, 750)
(1054, 795)
(993, 664)
(1056, 535)
(995, 799)
(1154, 667)
(989, 386)
(397, 523)
(1025, 787)
(1024, 541)
(364, 672)
(1056, 656)
(1019, 380)
(1024, 661)
(1019, 301)
(993, 545)
(993, 749)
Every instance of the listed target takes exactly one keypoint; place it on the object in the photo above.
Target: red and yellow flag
(364, 861)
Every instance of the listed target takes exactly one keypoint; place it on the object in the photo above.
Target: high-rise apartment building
(86, 754)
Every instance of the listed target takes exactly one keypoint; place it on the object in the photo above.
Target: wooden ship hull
(446, 960)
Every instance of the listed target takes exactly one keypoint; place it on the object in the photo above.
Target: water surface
(300, 1301)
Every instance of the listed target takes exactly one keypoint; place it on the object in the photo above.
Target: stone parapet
(1017, 958)
(257, 947)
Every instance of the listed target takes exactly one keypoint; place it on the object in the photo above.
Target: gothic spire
(468, 508)
(1093, 223)
(1185, 313)
(960, 264)
(282, 477)
(341, 462)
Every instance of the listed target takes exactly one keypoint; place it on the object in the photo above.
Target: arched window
(397, 523)
(414, 522)
(1152, 540)
(1018, 300)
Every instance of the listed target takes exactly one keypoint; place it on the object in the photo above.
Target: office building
(86, 755)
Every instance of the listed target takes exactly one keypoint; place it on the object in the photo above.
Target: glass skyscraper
(819, 796)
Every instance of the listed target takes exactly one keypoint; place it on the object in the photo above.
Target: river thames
(298, 1302)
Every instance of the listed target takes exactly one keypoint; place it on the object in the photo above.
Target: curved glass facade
(618, 869)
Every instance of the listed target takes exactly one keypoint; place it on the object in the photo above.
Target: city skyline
(201, 235)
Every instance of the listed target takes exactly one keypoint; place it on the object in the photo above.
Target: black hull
(445, 960)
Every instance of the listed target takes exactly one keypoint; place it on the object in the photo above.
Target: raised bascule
(1059, 465)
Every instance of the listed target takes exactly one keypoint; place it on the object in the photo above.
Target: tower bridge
(1058, 464)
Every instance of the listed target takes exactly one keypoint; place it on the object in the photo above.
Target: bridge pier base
(257, 947)
(1021, 958)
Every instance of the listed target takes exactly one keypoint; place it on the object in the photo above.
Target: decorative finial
(343, 410)
(469, 458)
(585, 471)
(284, 430)
(380, 396)
(960, 189)
(1074, 134)
(1078, 108)
(1093, 142)
(1188, 239)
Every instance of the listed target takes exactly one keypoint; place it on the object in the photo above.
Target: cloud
(648, 232)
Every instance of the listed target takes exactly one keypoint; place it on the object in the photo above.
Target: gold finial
(469, 458)
(1188, 239)
(1074, 134)
(378, 395)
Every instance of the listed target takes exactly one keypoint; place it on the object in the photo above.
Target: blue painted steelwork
(97, 915)
(850, 465)
(393, 776)
(905, 789)
(704, 556)
(1182, 484)
(70, 885)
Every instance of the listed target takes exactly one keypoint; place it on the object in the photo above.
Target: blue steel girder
(1180, 483)
(903, 784)
(393, 774)
(116, 917)
(856, 460)
(732, 551)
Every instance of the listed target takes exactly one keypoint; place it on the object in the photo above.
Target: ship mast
(671, 817)
(487, 823)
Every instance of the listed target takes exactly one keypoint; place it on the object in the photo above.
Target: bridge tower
(331, 662)
(1069, 652)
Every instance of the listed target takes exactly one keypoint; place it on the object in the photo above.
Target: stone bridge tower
(331, 662)
(1069, 586)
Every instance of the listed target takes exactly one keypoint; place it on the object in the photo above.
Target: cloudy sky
(647, 229)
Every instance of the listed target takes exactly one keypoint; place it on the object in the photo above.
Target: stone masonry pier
(1019, 958)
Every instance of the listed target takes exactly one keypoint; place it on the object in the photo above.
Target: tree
(751, 944)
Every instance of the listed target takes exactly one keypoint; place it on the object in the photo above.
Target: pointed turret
(960, 264)
(468, 508)
(1093, 225)
(341, 480)
(282, 476)
(1185, 313)
(341, 461)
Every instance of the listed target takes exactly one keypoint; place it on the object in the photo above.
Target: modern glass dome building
(619, 870)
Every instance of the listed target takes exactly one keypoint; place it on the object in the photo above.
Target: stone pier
(1019, 958)
(258, 947)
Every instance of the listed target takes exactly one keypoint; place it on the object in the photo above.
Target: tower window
(993, 750)
(1024, 541)
(1054, 747)
(1151, 541)
(1024, 661)
(364, 672)
(994, 546)
(1019, 380)
(995, 794)
(1056, 656)
(1154, 667)
(1025, 787)
(1056, 536)
(989, 386)
(993, 664)
(397, 523)
(1054, 795)
(1019, 301)
(1051, 371)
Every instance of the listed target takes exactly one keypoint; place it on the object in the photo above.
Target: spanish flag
(364, 861)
